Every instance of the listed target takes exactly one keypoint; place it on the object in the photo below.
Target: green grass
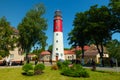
(15, 74)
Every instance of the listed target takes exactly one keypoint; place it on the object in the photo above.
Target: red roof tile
(68, 52)
(91, 53)
(45, 53)
(79, 48)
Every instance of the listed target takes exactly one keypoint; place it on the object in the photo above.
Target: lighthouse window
(57, 27)
(56, 41)
(57, 54)
(61, 54)
(56, 21)
(56, 34)
(56, 48)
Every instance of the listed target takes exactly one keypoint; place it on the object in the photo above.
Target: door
(56, 58)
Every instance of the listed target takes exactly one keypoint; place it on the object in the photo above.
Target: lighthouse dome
(58, 13)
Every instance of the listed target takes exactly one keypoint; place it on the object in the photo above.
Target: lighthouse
(58, 47)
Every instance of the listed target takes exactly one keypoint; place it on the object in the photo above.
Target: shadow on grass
(108, 72)
(74, 76)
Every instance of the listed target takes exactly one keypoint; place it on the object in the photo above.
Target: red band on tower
(57, 25)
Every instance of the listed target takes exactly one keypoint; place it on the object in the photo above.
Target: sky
(15, 10)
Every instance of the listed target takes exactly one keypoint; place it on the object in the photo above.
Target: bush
(30, 73)
(63, 64)
(38, 69)
(54, 67)
(59, 64)
(66, 63)
(75, 71)
(28, 69)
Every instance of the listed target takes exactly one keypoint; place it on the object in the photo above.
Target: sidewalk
(113, 69)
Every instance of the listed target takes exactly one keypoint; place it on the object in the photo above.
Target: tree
(90, 26)
(79, 36)
(50, 48)
(78, 52)
(7, 38)
(113, 48)
(114, 7)
(99, 28)
(37, 51)
(32, 29)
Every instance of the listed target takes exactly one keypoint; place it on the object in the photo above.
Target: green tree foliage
(78, 52)
(113, 48)
(114, 6)
(99, 19)
(50, 48)
(89, 27)
(37, 51)
(32, 29)
(78, 36)
(7, 38)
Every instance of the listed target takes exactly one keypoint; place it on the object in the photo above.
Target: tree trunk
(82, 60)
(100, 51)
(27, 58)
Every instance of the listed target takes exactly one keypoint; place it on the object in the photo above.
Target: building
(89, 53)
(69, 55)
(92, 53)
(58, 47)
(45, 56)
(15, 55)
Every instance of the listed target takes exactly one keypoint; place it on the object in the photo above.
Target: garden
(59, 71)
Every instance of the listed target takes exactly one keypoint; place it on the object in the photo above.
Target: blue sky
(15, 10)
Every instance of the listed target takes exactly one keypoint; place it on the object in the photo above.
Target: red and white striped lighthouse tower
(58, 48)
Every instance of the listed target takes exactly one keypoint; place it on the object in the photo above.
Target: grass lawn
(15, 74)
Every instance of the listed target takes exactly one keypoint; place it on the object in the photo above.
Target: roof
(45, 53)
(31, 55)
(68, 52)
(79, 48)
(91, 53)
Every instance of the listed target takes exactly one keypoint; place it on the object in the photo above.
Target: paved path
(116, 69)
(113, 69)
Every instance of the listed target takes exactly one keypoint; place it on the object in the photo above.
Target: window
(56, 48)
(57, 27)
(56, 34)
(57, 54)
(72, 56)
(68, 57)
(11, 56)
(56, 41)
(61, 54)
(56, 21)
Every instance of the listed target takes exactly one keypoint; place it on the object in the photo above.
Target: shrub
(63, 64)
(28, 69)
(38, 69)
(59, 64)
(75, 71)
(30, 73)
(54, 67)
(66, 63)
